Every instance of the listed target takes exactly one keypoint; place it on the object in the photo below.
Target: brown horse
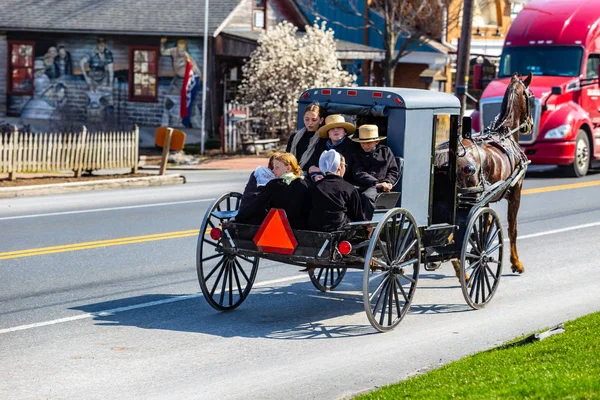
(495, 155)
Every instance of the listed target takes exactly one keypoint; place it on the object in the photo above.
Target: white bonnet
(329, 161)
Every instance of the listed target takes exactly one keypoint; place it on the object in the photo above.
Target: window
(592, 66)
(143, 74)
(20, 67)
(541, 60)
(259, 14)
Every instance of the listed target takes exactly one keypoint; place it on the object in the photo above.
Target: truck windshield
(541, 60)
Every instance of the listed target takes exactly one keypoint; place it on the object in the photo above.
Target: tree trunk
(389, 44)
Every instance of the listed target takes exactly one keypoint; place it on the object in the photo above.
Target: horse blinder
(468, 170)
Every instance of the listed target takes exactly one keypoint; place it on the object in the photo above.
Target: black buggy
(423, 221)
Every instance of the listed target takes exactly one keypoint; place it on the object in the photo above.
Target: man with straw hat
(334, 137)
(374, 168)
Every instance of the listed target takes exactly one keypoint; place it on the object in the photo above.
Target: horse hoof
(516, 269)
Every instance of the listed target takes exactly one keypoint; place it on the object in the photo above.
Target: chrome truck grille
(489, 108)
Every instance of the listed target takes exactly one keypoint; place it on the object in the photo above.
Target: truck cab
(558, 41)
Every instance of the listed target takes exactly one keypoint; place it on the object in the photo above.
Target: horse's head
(468, 165)
(517, 104)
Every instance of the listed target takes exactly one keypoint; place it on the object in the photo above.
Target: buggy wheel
(481, 258)
(326, 279)
(225, 279)
(391, 269)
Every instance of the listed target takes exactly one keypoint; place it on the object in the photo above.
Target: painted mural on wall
(87, 79)
(98, 73)
(49, 89)
(180, 57)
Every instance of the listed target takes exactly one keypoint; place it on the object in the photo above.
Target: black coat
(347, 148)
(278, 194)
(302, 144)
(333, 202)
(251, 192)
(374, 167)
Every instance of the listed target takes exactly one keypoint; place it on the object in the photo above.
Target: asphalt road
(99, 299)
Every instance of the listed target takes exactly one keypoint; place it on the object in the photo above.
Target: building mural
(180, 57)
(95, 79)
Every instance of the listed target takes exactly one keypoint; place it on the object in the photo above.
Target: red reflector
(398, 100)
(378, 94)
(352, 92)
(275, 234)
(305, 95)
(215, 233)
(344, 247)
(326, 91)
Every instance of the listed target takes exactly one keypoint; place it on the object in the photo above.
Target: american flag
(188, 93)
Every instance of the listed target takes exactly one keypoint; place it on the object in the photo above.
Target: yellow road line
(561, 187)
(97, 244)
(194, 232)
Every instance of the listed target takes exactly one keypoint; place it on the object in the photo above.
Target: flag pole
(204, 76)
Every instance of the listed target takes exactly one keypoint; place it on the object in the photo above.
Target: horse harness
(505, 145)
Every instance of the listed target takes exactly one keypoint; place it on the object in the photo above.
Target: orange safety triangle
(275, 234)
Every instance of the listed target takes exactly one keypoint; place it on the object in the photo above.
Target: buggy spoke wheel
(326, 279)
(225, 279)
(391, 269)
(481, 258)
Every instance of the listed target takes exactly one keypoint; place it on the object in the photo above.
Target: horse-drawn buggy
(429, 217)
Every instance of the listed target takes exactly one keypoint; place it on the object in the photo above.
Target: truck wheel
(582, 156)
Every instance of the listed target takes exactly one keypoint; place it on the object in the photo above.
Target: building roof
(345, 50)
(135, 17)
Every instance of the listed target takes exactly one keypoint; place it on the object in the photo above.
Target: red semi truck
(559, 42)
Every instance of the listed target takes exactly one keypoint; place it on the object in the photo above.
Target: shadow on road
(551, 172)
(294, 312)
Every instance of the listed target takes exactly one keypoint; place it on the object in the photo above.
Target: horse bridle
(524, 127)
(527, 124)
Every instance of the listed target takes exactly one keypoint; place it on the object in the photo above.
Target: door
(591, 98)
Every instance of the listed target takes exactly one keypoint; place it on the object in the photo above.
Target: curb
(71, 187)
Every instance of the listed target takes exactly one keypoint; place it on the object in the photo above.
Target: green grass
(563, 366)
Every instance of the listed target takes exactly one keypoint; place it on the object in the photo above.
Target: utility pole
(464, 50)
(204, 77)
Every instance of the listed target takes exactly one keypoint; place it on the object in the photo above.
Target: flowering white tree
(284, 65)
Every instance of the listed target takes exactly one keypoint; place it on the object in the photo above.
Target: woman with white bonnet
(333, 201)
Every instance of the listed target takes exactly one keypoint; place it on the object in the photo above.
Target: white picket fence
(79, 151)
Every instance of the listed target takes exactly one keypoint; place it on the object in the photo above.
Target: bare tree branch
(414, 21)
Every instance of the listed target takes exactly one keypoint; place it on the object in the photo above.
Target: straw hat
(334, 121)
(368, 133)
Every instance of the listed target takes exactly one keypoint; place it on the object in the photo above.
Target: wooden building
(120, 63)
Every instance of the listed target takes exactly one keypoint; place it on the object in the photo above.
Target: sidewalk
(171, 178)
(235, 163)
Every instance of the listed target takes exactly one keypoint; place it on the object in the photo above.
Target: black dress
(278, 194)
(333, 202)
(346, 147)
